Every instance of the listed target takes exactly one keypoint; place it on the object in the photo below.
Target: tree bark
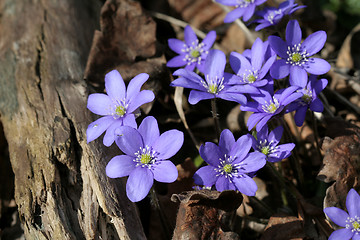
(61, 188)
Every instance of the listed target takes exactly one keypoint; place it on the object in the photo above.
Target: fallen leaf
(283, 227)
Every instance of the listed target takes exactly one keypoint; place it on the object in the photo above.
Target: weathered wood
(61, 188)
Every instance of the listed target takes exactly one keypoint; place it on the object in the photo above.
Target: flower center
(120, 111)
(145, 157)
(194, 52)
(251, 78)
(243, 3)
(353, 224)
(213, 85)
(356, 225)
(272, 106)
(227, 168)
(306, 98)
(265, 150)
(296, 56)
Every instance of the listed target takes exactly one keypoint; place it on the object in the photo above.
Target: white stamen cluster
(194, 52)
(267, 148)
(250, 76)
(119, 109)
(296, 56)
(243, 3)
(353, 224)
(213, 85)
(229, 169)
(272, 15)
(271, 106)
(145, 157)
(307, 96)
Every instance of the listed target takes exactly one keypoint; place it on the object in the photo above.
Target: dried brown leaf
(283, 227)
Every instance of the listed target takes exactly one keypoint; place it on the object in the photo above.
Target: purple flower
(229, 164)
(252, 70)
(272, 16)
(215, 84)
(350, 222)
(309, 99)
(268, 144)
(146, 157)
(244, 9)
(191, 53)
(267, 106)
(296, 56)
(117, 106)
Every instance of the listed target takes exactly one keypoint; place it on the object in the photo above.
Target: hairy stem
(215, 117)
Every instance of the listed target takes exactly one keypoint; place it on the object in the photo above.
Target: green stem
(215, 117)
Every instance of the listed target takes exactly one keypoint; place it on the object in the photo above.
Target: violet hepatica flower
(272, 16)
(266, 106)
(252, 71)
(309, 99)
(192, 53)
(215, 84)
(268, 144)
(350, 222)
(146, 157)
(296, 57)
(229, 164)
(117, 106)
(243, 8)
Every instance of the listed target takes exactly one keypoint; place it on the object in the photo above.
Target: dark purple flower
(243, 8)
(191, 53)
(309, 99)
(229, 164)
(267, 106)
(272, 16)
(252, 68)
(267, 143)
(350, 222)
(146, 157)
(215, 84)
(118, 105)
(296, 57)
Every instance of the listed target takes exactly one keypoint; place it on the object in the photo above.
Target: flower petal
(342, 234)
(280, 69)
(211, 153)
(314, 42)
(263, 122)
(149, 130)
(241, 147)
(110, 136)
(215, 64)
(337, 215)
(254, 119)
(187, 83)
(279, 46)
(188, 75)
(234, 97)
(120, 166)
(205, 176)
(135, 84)
(226, 141)
(168, 143)
(115, 86)
(239, 63)
(298, 76)
(189, 35)
(99, 103)
(353, 203)
(257, 54)
(209, 40)
(222, 184)
(128, 140)
(316, 105)
(245, 185)
(276, 134)
(196, 96)
(165, 172)
(249, 11)
(177, 61)
(293, 33)
(139, 184)
(176, 45)
(317, 66)
(234, 14)
(253, 162)
(145, 96)
(266, 67)
(129, 120)
(96, 128)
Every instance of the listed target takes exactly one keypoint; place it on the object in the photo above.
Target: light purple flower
(229, 164)
(191, 53)
(309, 99)
(272, 16)
(252, 68)
(268, 144)
(266, 106)
(244, 9)
(146, 157)
(215, 84)
(296, 57)
(350, 222)
(117, 106)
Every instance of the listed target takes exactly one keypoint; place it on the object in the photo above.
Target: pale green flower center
(296, 57)
(251, 78)
(213, 88)
(227, 168)
(145, 158)
(306, 98)
(356, 225)
(265, 150)
(120, 111)
(271, 108)
(195, 53)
